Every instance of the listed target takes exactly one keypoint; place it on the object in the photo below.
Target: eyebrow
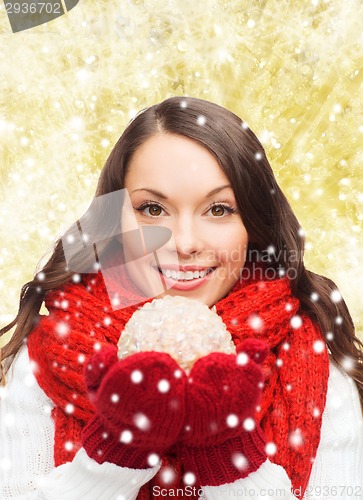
(162, 196)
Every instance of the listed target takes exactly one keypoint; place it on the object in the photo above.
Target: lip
(175, 267)
(185, 285)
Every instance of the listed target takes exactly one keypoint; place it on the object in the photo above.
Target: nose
(187, 237)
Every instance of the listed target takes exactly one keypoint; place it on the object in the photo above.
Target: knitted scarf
(81, 320)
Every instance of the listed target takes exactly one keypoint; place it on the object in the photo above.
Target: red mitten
(221, 441)
(140, 407)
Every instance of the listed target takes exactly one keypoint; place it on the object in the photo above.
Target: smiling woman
(175, 182)
(282, 415)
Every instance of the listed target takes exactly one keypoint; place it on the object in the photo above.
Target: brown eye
(154, 210)
(217, 210)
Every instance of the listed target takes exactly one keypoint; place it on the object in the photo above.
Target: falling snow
(167, 475)
(62, 328)
(163, 386)
(249, 424)
(142, 422)
(232, 420)
(239, 461)
(319, 346)
(242, 358)
(153, 459)
(126, 437)
(296, 438)
(189, 478)
(296, 321)
(335, 296)
(271, 448)
(255, 322)
(136, 376)
(115, 398)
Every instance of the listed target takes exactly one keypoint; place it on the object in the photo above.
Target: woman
(194, 169)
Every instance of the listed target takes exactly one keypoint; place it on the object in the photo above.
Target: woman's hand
(140, 407)
(221, 442)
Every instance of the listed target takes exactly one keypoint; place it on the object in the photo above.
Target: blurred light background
(291, 69)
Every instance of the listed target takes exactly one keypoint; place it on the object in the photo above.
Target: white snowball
(185, 328)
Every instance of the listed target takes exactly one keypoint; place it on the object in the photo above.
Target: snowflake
(314, 297)
(142, 422)
(107, 321)
(316, 412)
(201, 120)
(255, 322)
(96, 346)
(153, 459)
(271, 448)
(163, 386)
(81, 358)
(68, 445)
(335, 296)
(338, 320)
(232, 420)
(296, 438)
(62, 328)
(69, 408)
(167, 475)
(126, 437)
(296, 321)
(136, 376)
(242, 358)
(115, 398)
(329, 336)
(319, 346)
(249, 424)
(347, 363)
(239, 461)
(189, 478)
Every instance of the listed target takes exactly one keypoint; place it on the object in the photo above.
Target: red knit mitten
(221, 441)
(140, 407)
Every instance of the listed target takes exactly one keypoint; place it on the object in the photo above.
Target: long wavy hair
(265, 211)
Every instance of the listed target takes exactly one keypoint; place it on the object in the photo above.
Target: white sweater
(27, 464)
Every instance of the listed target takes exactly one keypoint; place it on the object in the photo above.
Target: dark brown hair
(270, 222)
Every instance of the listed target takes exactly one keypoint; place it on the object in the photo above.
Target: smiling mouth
(185, 275)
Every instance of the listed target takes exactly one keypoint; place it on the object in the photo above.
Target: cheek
(231, 249)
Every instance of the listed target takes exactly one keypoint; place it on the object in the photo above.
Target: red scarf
(80, 317)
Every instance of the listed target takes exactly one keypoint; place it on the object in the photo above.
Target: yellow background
(291, 69)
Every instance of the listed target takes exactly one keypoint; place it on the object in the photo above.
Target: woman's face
(175, 182)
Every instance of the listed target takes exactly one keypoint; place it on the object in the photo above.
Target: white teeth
(184, 276)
